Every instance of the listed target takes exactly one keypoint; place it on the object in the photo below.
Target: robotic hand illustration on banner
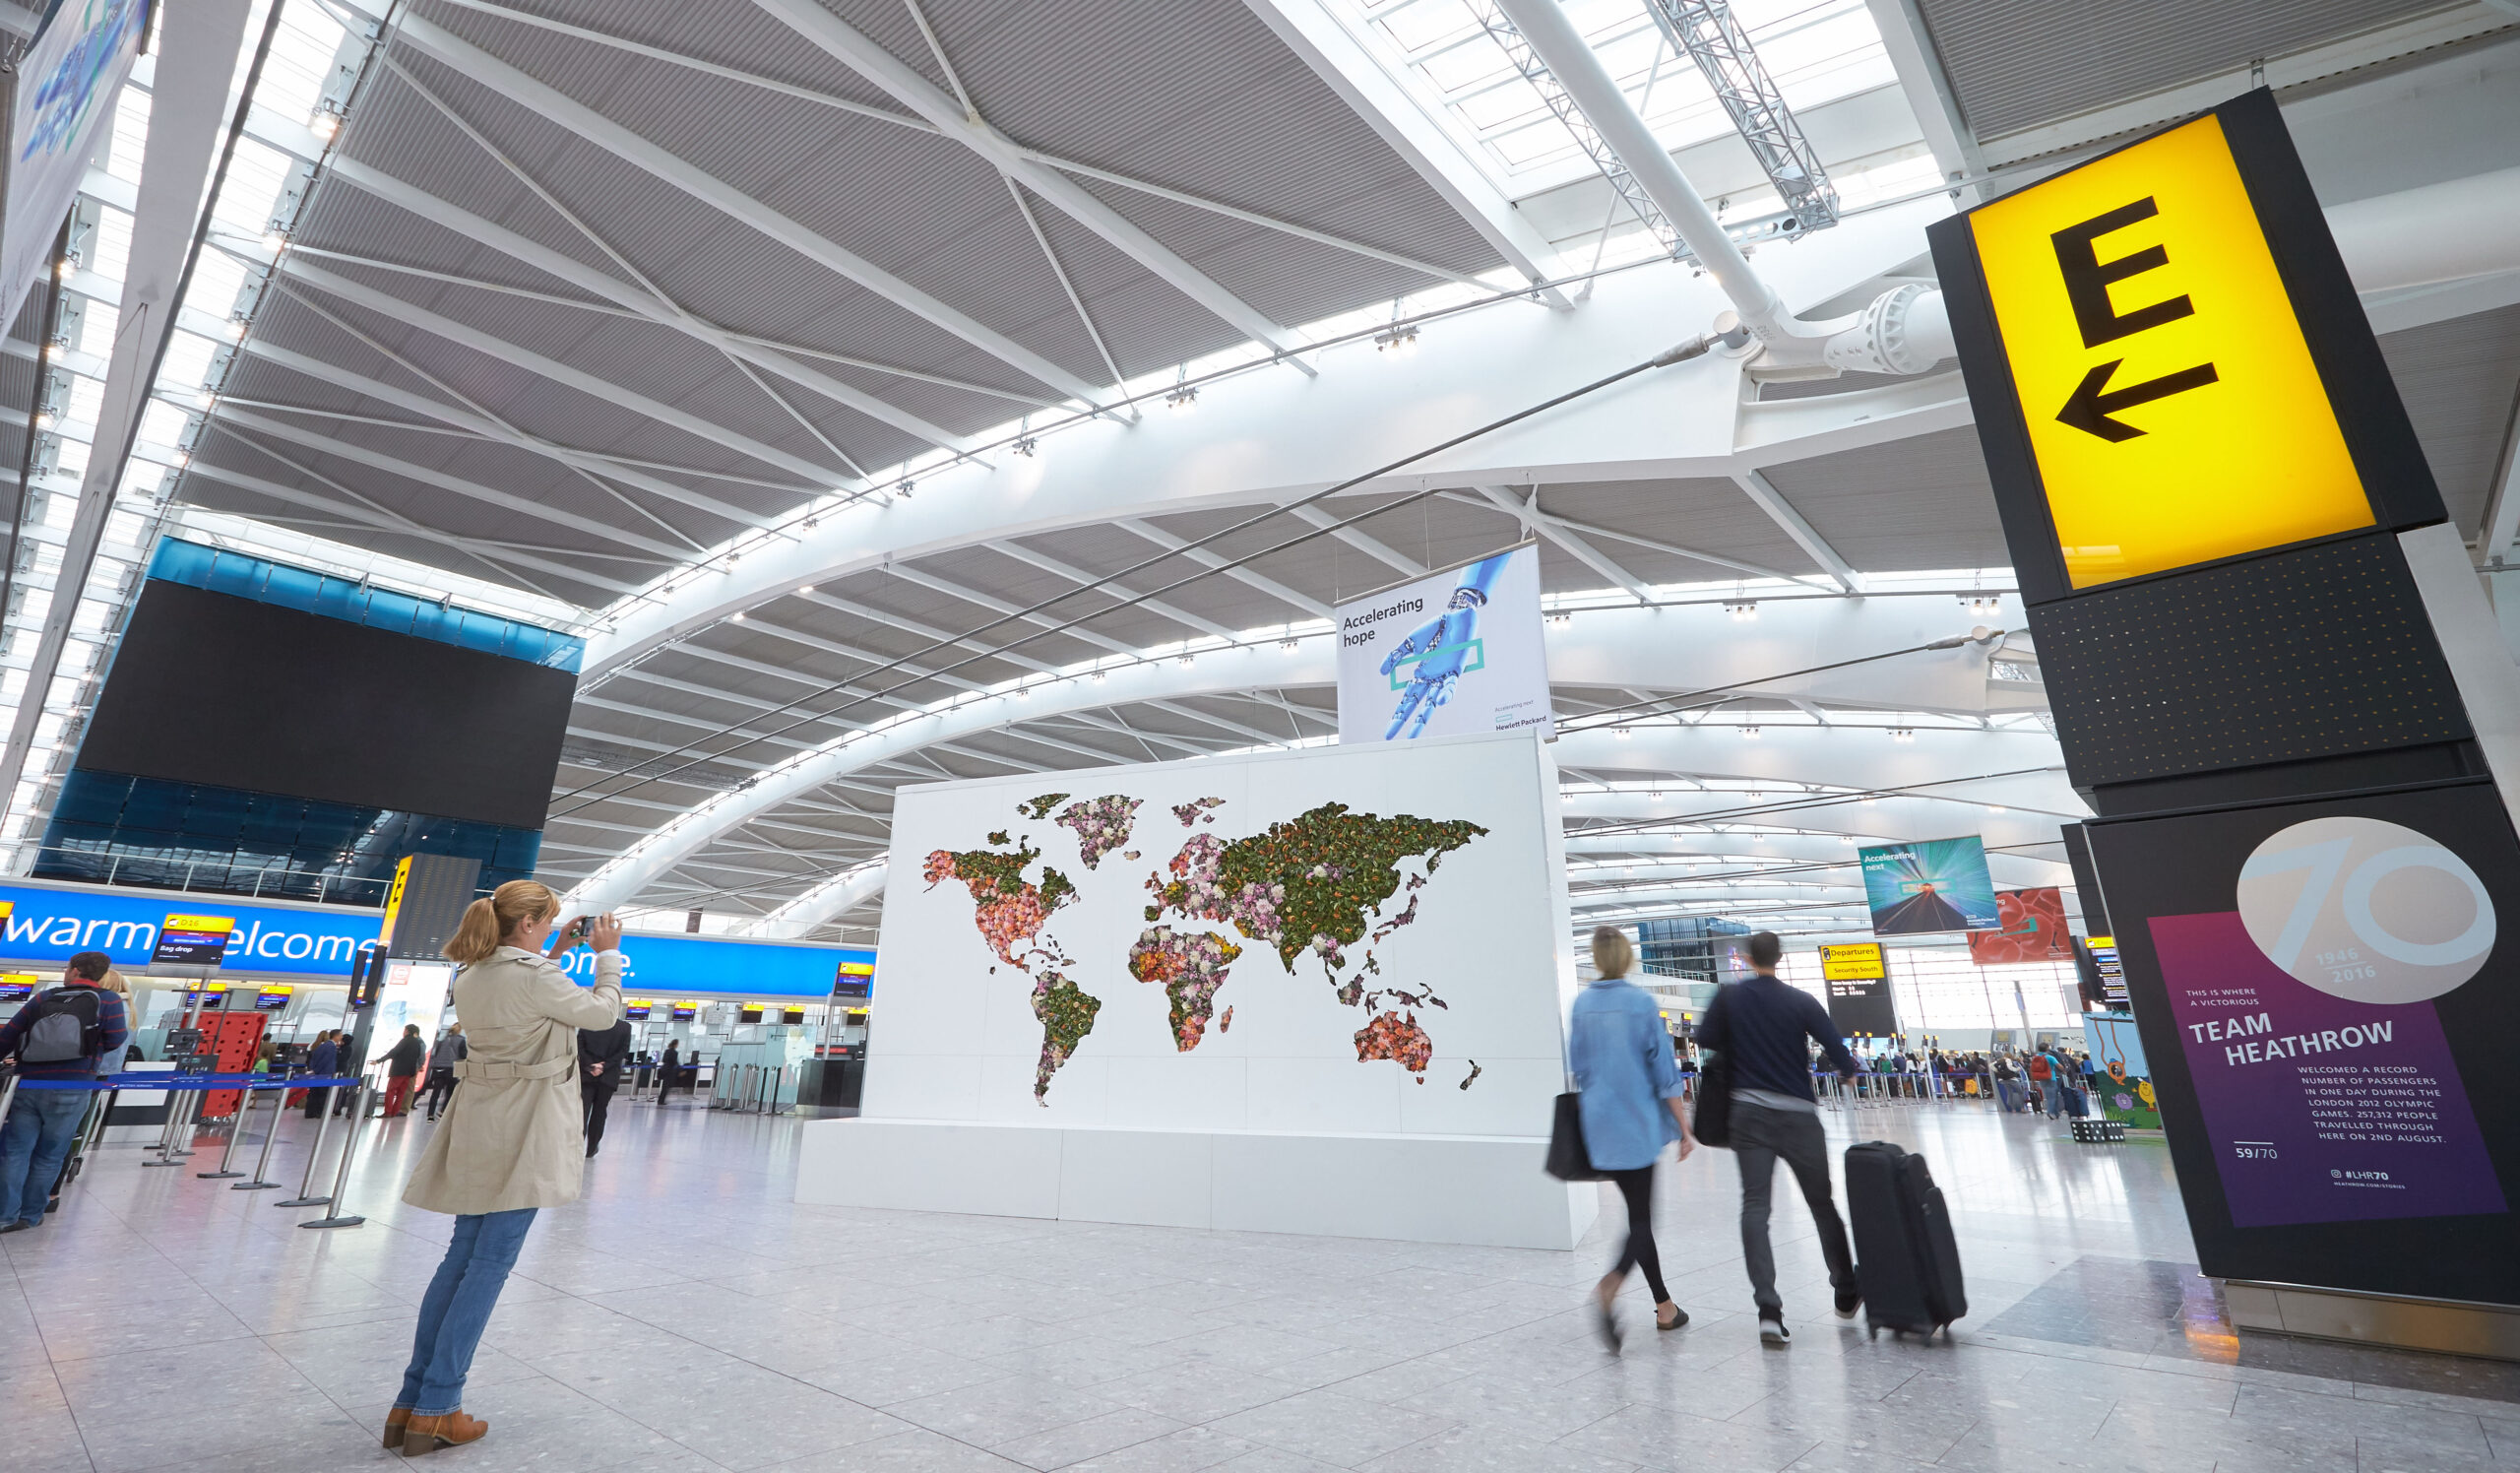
(1438, 650)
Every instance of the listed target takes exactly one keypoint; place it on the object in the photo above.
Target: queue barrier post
(235, 1131)
(179, 1108)
(341, 1178)
(271, 1137)
(323, 1126)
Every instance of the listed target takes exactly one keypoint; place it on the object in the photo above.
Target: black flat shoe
(1679, 1318)
(1607, 1323)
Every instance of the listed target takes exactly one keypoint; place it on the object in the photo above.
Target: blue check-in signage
(47, 925)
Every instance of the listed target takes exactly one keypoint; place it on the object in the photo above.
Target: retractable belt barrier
(197, 1087)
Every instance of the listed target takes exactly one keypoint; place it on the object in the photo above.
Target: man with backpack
(64, 1033)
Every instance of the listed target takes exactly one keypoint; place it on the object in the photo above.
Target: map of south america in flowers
(1314, 888)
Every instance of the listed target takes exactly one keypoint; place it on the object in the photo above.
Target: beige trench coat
(515, 1133)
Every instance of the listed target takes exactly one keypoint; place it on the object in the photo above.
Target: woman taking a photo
(511, 1143)
(1630, 1099)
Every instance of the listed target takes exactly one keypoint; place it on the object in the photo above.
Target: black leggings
(1637, 1186)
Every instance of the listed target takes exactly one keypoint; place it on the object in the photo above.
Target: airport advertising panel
(1929, 885)
(1452, 653)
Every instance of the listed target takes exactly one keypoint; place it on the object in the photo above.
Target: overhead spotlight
(235, 327)
(1289, 644)
(325, 123)
(1749, 733)
(1994, 807)
(44, 420)
(1621, 732)
(907, 486)
(180, 459)
(736, 617)
(1560, 616)
(811, 522)
(275, 240)
(1027, 446)
(1397, 341)
(206, 397)
(1742, 609)
(1901, 733)
(1186, 657)
(1183, 399)
(1098, 677)
(67, 266)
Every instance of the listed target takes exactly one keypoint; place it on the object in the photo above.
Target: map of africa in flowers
(1316, 890)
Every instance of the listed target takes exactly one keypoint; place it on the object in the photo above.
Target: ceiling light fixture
(736, 617)
(1742, 609)
(325, 123)
(1903, 733)
(1560, 616)
(1184, 397)
(275, 239)
(1749, 733)
(1621, 732)
(1396, 341)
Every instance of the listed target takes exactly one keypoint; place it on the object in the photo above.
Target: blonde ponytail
(488, 921)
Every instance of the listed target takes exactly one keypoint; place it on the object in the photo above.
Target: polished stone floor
(687, 1317)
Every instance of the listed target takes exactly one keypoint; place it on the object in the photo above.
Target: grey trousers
(1760, 1136)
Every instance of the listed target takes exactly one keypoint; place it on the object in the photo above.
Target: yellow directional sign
(2172, 408)
(1857, 961)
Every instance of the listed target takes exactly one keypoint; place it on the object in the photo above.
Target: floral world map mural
(1313, 887)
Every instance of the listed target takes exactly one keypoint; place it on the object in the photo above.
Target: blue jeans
(457, 1307)
(32, 1147)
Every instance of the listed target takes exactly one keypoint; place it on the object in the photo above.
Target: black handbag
(1713, 1122)
(1568, 1159)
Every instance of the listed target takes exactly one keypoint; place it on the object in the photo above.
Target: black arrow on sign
(2092, 403)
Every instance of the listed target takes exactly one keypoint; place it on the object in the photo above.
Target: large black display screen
(2327, 1005)
(213, 688)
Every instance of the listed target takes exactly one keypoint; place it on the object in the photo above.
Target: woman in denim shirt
(1630, 1099)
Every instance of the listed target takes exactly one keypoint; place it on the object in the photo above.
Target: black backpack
(67, 1026)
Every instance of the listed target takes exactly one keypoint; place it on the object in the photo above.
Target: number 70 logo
(2366, 909)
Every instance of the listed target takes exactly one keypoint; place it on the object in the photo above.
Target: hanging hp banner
(1447, 655)
(61, 111)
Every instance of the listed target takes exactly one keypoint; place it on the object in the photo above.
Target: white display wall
(955, 1040)
(1457, 983)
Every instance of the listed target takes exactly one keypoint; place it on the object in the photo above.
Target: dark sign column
(2278, 687)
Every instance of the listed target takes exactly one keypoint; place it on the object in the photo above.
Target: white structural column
(1929, 97)
(593, 126)
(188, 110)
(965, 125)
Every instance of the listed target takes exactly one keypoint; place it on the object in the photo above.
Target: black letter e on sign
(2093, 405)
(2088, 278)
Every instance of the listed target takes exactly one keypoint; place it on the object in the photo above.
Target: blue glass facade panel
(150, 832)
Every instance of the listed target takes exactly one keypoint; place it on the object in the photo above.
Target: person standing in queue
(63, 1033)
(402, 1070)
(602, 1054)
(320, 1060)
(1760, 1023)
(509, 1144)
(1632, 1107)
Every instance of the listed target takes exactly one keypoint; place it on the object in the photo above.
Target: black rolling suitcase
(1907, 1262)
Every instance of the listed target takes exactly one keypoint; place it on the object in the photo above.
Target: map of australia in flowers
(1318, 890)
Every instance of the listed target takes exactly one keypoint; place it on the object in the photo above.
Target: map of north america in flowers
(1315, 889)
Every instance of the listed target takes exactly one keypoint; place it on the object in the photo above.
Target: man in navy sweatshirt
(36, 1141)
(1759, 1025)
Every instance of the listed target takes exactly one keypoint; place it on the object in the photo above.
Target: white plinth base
(1421, 1188)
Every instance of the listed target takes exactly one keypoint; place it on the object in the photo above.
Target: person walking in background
(602, 1054)
(442, 1061)
(668, 1069)
(510, 1147)
(1759, 1024)
(402, 1070)
(320, 1060)
(63, 1033)
(1630, 1099)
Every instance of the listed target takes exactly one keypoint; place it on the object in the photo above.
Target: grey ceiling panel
(1921, 504)
(2459, 379)
(2019, 64)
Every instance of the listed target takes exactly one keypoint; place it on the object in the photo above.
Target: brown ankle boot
(425, 1435)
(395, 1420)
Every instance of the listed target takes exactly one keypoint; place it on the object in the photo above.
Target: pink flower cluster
(1401, 1040)
(1190, 812)
(1100, 824)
